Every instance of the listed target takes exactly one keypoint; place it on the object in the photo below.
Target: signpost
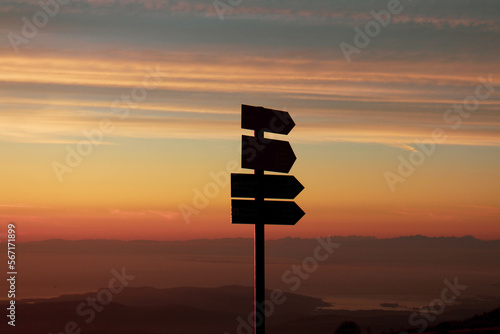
(266, 212)
(270, 120)
(266, 154)
(262, 154)
(271, 186)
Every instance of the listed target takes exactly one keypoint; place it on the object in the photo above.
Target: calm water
(346, 287)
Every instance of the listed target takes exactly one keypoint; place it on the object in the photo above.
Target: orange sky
(355, 121)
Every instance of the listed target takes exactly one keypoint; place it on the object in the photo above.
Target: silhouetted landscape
(488, 323)
(213, 310)
(377, 283)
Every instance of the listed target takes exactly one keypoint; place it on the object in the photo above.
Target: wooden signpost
(262, 154)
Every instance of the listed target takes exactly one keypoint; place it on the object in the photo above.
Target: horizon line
(468, 236)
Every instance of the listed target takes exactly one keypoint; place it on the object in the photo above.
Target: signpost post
(261, 154)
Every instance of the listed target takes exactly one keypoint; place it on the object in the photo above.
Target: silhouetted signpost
(262, 154)
(272, 186)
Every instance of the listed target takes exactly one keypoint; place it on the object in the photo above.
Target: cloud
(200, 94)
(404, 147)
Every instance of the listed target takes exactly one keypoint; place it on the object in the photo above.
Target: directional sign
(267, 186)
(266, 154)
(265, 212)
(270, 120)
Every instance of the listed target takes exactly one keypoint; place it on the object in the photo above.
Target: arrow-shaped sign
(267, 186)
(265, 212)
(266, 154)
(270, 120)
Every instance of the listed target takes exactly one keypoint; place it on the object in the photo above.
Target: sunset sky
(355, 120)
